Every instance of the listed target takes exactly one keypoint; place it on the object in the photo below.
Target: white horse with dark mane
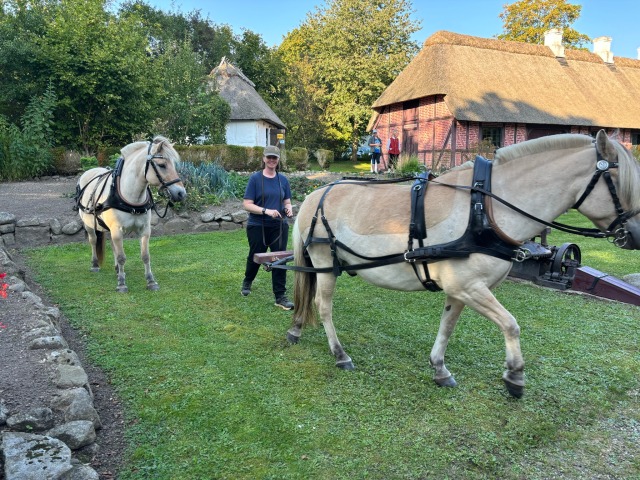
(120, 201)
(476, 221)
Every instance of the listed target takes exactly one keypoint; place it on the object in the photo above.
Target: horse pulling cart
(465, 229)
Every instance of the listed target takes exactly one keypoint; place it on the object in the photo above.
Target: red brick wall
(434, 124)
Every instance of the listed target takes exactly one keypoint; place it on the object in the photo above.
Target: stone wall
(34, 231)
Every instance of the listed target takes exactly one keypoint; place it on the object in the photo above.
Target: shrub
(26, 152)
(298, 158)
(207, 184)
(324, 157)
(87, 163)
(409, 165)
(65, 162)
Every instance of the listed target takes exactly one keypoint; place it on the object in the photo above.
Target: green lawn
(213, 391)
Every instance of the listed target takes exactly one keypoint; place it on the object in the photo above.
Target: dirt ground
(24, 380)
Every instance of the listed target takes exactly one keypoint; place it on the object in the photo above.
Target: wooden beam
(589, 280)
(270, 257)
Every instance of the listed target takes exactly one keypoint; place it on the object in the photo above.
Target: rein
(481, 235)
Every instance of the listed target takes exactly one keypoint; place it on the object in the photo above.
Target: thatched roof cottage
(252, 122)
(460, 91)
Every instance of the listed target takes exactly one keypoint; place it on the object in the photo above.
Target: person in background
(393, 148)
(376, 148)
(267, 198)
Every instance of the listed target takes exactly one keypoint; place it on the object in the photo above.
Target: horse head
(621, 172)
(163, 158)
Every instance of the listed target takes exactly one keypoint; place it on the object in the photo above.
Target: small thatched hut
(461, 92)
(252, 123)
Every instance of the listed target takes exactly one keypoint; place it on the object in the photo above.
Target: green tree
(355, 49)
(186, 111)
(527, 20)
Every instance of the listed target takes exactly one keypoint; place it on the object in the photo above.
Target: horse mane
(628, 177)
(542, 144)
(166, 146)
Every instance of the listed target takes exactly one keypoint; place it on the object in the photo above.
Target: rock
(207, 217)
(70, 376)
(239, 217)
(34, 457)
(178, 225)
(75, 434)
(49, 343)
(81, 472)
(81, 410)
(64, 357)
(6, 218)
(33, 420)
(63, 400)
(55, 226)
(72, 228)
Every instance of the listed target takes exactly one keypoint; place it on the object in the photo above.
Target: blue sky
(617, 19)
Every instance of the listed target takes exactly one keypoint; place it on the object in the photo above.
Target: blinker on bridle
(150, 161)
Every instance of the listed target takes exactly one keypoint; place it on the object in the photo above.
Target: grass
(342, 166)
(213, 391)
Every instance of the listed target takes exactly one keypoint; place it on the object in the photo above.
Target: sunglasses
(272, 157)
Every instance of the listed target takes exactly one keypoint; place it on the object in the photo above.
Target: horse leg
(324, 302)
(120, 259)
(448, 320)
(483, 302)
(146, 260)
(93, 241)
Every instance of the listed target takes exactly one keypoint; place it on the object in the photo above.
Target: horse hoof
(153, 286)
(292, 339)
(95, 269)
(515, 390)
(346, 365)
(446, 381)
(122, 289)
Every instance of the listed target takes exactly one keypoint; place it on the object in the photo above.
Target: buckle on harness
(410, 260)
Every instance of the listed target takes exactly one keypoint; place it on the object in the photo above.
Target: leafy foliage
(187, 111)
(26, 152)
(207, 184)
(347, 53)
(527, 20)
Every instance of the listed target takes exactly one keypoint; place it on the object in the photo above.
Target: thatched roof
(239, 92)
(490, 80)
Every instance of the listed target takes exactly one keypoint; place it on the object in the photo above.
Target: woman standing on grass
(267, 198)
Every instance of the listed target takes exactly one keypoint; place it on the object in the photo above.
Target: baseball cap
(271, 151)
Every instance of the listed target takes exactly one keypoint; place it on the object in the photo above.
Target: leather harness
(479, 236)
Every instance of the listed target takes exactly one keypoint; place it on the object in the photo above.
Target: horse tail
(304, 291)
(100, 246)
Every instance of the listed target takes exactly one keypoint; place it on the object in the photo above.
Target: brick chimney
(602, 46)
(553, 40)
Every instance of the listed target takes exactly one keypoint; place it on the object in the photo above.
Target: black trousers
(276, 240)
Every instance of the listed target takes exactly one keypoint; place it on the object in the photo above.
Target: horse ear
(605, 147)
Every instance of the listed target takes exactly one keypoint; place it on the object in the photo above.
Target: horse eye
(162, 165)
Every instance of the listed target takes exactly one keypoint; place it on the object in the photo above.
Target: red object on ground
(592, 281)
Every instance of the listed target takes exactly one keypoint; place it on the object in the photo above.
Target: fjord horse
(120, 201)
(534, 180)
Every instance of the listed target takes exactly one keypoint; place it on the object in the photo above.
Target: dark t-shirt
(276, 191)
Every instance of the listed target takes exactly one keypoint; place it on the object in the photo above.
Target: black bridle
(616, 231)
(150, 161)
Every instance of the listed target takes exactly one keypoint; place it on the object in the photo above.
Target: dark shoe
(246, 288)
(284, 303)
